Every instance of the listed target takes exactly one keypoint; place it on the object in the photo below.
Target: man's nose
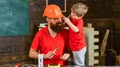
(59, 20)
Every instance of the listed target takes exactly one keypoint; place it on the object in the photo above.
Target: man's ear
(47, 19)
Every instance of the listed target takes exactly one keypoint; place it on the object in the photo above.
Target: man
(51, 40)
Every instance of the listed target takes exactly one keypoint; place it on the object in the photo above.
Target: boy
(76, 34)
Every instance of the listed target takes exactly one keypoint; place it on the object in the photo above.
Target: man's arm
(33, 54)
(65, 56)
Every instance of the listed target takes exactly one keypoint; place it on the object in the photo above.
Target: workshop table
(32, 65)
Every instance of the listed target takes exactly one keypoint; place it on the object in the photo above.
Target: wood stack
(91, 47)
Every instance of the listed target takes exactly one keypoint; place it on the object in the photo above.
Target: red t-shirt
(77, 39)
(45, 43)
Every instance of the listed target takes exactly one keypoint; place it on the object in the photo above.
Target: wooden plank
(104, 42)
(96, 61)
(96, 40)
(96, 47)
(96, 54)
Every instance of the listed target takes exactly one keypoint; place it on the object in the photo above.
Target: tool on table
(57, 47)
(40, 60)
(18, 65)
(58, 65)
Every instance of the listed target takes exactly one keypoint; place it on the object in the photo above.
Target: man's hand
(65, 56)
(49, 55)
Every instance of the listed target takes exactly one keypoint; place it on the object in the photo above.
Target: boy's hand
(66, 20)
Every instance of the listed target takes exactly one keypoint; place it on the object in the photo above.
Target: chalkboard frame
(57, 2)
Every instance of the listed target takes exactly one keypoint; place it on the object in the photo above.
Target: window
(60, 3)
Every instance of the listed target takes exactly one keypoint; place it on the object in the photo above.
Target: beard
(56, 27)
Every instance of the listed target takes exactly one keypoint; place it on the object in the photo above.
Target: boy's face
(74, 15)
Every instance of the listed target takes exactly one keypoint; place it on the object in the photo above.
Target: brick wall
(15, 49)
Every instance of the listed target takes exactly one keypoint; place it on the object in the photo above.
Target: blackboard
(14, 17)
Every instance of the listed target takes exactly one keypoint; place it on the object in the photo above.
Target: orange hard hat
(53, 11)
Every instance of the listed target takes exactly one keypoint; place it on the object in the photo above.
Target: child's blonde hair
(80, 9)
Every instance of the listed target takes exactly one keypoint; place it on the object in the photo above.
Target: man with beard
(52, 39)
